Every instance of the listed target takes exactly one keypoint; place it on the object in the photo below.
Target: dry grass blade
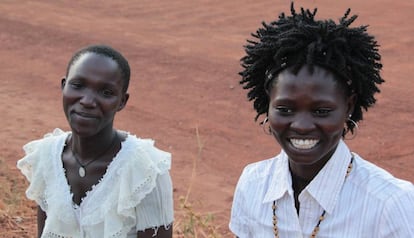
(191, 223)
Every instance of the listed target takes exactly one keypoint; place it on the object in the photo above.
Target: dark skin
(92, 95)
(307, 114)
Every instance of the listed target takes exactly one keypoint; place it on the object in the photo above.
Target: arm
(161, 233)
(41, 218)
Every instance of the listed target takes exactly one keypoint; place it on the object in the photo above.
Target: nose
(88, 100)
(302, 123)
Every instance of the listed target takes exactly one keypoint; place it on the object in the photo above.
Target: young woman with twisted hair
(312, 80)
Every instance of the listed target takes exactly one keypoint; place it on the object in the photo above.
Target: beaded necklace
(321, 218)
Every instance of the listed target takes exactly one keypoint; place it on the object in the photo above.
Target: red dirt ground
(184, 58)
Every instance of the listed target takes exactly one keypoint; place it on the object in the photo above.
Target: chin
(305, 157)
(301, 158)
(83, 131)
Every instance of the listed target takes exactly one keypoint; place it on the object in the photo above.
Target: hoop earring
(267, 131)
(354, 133)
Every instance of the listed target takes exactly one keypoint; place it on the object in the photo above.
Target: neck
(306, 172)
(89, 147)
(309, 171)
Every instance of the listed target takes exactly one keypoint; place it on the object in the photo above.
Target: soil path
(185, 58)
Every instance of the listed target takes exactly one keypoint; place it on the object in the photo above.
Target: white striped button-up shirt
(369, 203)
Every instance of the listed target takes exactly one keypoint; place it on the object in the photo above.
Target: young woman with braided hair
(312, 79)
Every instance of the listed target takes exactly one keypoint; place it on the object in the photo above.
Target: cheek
(67, 98)
(279, 126)
(69, 95)
(110, 106)
(332, 130)
(278, 123)
(335, 122)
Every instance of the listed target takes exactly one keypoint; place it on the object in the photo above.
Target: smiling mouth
(304, 144)
(86, 115)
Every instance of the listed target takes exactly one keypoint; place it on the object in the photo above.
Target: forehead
(320, 83)
(90, 62)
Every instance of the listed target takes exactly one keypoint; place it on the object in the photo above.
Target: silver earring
(354, 133)
(267, 131)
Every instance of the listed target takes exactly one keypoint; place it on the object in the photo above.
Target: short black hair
(298, 40)
(107, 51)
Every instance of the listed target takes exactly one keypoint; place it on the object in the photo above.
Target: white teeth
(304, 144)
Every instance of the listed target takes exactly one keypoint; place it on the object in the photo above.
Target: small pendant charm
(82, 172)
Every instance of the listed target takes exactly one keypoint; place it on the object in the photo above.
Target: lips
(86, 115)
(304, 144)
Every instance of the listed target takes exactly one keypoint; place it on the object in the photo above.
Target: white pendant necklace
(82, 167)
(82, 171)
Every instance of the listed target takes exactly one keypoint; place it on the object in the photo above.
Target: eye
(76, 85)
(284, 110)
(321, 112)
(107, 93)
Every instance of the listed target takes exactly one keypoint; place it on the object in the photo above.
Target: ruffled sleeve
(149, 189)
(156, 209)
(32, 168)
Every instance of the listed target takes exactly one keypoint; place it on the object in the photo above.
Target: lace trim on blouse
(110, 204)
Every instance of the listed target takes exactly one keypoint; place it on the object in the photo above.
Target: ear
(63, 83)
(123, 101)
(351, 103)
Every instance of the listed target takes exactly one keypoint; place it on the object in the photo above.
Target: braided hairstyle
(297, 40)
(109, 52)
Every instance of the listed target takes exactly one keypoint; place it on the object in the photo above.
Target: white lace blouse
(134, 194)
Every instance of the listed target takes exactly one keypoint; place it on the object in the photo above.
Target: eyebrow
(318, 101)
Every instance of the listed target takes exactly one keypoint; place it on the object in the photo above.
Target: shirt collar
(328, 183)
(325, 187)
(280, 180)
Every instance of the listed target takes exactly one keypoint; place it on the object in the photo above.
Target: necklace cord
(111, 146)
